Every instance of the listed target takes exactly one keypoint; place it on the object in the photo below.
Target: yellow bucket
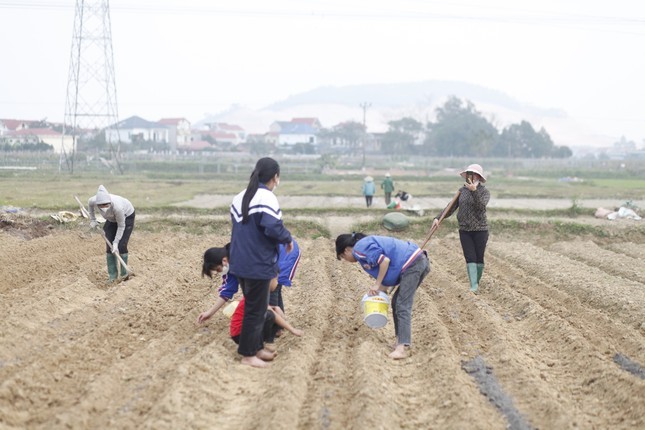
(229, 309)
(375, 309)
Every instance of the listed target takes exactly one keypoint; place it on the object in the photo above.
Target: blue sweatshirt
(371, 250)
(288, 264)
(254, 245)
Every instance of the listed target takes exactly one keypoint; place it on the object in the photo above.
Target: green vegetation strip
(513, 228)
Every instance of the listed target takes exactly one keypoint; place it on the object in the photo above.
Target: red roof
(34, 132)
(310, 121)
(13, 124)
(171, 121)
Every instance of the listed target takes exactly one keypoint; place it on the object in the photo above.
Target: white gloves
(94, 224)
(115, 248)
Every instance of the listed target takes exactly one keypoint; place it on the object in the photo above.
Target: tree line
(458, 130)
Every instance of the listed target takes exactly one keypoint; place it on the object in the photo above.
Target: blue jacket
(369, 188)
(288, 264)
(371, 250)
(254, 245)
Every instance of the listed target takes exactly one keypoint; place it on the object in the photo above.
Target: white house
(179, 131)
(37, 135)
(225, 131)
(291, 133)
(137, 129)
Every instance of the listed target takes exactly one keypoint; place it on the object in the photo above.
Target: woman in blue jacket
(257, 233)
(391, 262)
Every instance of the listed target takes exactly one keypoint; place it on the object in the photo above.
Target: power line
(399, 13)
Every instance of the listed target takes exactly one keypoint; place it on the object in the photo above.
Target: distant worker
(473, 226)
(368, 190)
(387, 186)
(119, 223)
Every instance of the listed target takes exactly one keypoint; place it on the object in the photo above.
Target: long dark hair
(212, 258)
(345, 241)
(265, 169)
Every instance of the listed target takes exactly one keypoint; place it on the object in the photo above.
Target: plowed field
(558, 327)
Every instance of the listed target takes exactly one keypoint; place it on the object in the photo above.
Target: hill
(335, 104)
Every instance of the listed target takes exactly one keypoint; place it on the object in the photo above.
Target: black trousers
(256, 302)
(275, 297)
(473, 243)
(269, 330)
(110, 232)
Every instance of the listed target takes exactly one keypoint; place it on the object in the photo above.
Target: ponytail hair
(345, 241)
(265, 169)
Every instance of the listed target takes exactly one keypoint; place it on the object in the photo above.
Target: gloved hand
(94, 224)
(115, 248)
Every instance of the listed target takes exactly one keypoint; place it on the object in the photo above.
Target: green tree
(460, 130)
(401, 136)
(521, 140)
(346, 136)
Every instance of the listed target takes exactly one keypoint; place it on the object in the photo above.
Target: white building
(137, 129)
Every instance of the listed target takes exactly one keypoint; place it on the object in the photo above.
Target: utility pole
(90, 105)
(364, 106)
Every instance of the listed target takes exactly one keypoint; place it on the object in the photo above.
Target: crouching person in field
(216, 260)
(391, 262)
(273, 321)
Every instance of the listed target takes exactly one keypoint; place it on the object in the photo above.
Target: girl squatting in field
(391, 262)
(216, 260)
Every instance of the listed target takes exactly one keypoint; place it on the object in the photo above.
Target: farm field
(556, 337)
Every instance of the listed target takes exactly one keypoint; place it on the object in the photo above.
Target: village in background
(459, 130)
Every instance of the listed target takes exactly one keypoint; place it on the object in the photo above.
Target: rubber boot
(111, 266)
(472, 276)
(480, 271)
(124, 273)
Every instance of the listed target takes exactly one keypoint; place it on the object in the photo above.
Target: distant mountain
(406, 94)
(332, 105)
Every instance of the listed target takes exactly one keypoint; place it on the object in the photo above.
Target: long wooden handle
(84, 213)
(118, 256)
(441, 217)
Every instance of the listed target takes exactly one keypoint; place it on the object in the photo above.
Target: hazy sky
(189, 57)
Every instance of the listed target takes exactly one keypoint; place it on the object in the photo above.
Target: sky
(190, 58)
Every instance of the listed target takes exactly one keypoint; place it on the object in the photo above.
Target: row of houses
(176, 133)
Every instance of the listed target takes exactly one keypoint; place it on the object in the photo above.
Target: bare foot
(254, 362)
(279, 333)
(270, 347)
(265, 355)
(394, 343)
(399, 353)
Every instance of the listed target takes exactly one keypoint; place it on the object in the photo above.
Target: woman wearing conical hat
(473, 226)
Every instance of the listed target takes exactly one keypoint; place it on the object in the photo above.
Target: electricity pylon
(91, 106)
